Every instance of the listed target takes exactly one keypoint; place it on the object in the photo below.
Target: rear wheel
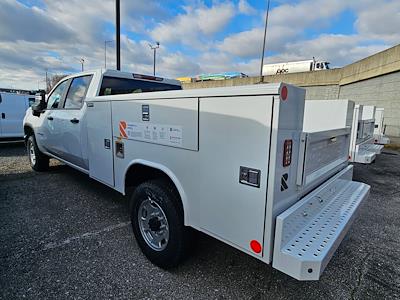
(38, 160)
(157, 221)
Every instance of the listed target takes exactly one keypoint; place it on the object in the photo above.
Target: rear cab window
(116, 86)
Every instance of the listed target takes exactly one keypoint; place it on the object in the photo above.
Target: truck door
(70, 122)
(47, 135)
(12, 111)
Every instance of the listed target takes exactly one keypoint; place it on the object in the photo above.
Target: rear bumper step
(364, 156)
(309, 232)
(377, 149)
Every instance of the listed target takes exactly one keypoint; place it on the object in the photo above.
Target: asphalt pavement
(66, 236)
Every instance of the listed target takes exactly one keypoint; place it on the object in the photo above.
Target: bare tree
(53, 80)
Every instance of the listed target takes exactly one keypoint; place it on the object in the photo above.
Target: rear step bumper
(364, 156)
(377, 149)
(309, 232)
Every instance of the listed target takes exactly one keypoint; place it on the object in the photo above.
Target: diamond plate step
(309, 232)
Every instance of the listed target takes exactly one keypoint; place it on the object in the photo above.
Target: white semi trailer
(379, 131)
(232, 162)
(295, 67)
(12, 111)
(333, 114)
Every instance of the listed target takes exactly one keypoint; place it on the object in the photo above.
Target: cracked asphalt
(65, 236)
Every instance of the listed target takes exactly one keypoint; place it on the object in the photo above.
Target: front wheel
(157, 221)
(38, 160)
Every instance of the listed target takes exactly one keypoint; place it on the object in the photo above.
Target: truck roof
(259, 89)
(127, 75)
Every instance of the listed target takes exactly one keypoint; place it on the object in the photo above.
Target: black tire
(165, 197)
(41, 161)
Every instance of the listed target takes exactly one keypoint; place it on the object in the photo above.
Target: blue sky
(196, 36)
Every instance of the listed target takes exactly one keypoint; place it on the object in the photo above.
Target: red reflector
(287, 153)
(284, 93)
(255, 246)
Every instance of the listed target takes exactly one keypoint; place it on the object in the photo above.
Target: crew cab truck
(230, 162)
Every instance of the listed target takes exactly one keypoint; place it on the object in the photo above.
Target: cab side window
(77, 92)
(55, 97)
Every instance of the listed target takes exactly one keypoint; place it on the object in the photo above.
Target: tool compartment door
(321, 155)
(234, 133)
(99, 129)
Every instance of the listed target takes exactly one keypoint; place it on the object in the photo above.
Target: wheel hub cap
(153, 225)
(32, 154)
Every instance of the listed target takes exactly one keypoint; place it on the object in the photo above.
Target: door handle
(75, 121)
(50, 118)
(3, 115)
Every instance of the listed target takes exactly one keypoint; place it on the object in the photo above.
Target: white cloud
(55, 36)
(379, 21)
(191, 27)
(18, 22)
(245, 8)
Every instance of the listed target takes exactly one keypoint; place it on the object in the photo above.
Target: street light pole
(154, 48)
(265, 36)
(82, 61)
(118, 33)
(105, 53)
(46, 82)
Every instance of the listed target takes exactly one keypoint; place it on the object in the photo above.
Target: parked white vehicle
(333, 114)
(368, 128)
(379, 131)
(12, 111)
(230, 162)
(295, 67)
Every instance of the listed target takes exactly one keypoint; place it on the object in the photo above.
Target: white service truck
(368, 129)
(295, 67)
(12, 111)
(230, 162)
(379, 131)
(334, 114)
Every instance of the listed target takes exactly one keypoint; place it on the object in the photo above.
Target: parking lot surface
(63, 235)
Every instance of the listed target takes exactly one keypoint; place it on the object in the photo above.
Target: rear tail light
(287, 153)
(284, 93)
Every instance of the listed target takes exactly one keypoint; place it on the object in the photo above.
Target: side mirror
(40, 103)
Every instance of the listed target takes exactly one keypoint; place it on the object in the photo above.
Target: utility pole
(46, 82)
(154, 48)
(118, 33)
(105, 53)
(265, 37)
(82, 61)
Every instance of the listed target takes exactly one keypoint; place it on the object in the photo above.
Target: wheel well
(28, 131)
(139, 173)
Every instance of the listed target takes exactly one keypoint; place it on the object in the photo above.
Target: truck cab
(60, 124)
